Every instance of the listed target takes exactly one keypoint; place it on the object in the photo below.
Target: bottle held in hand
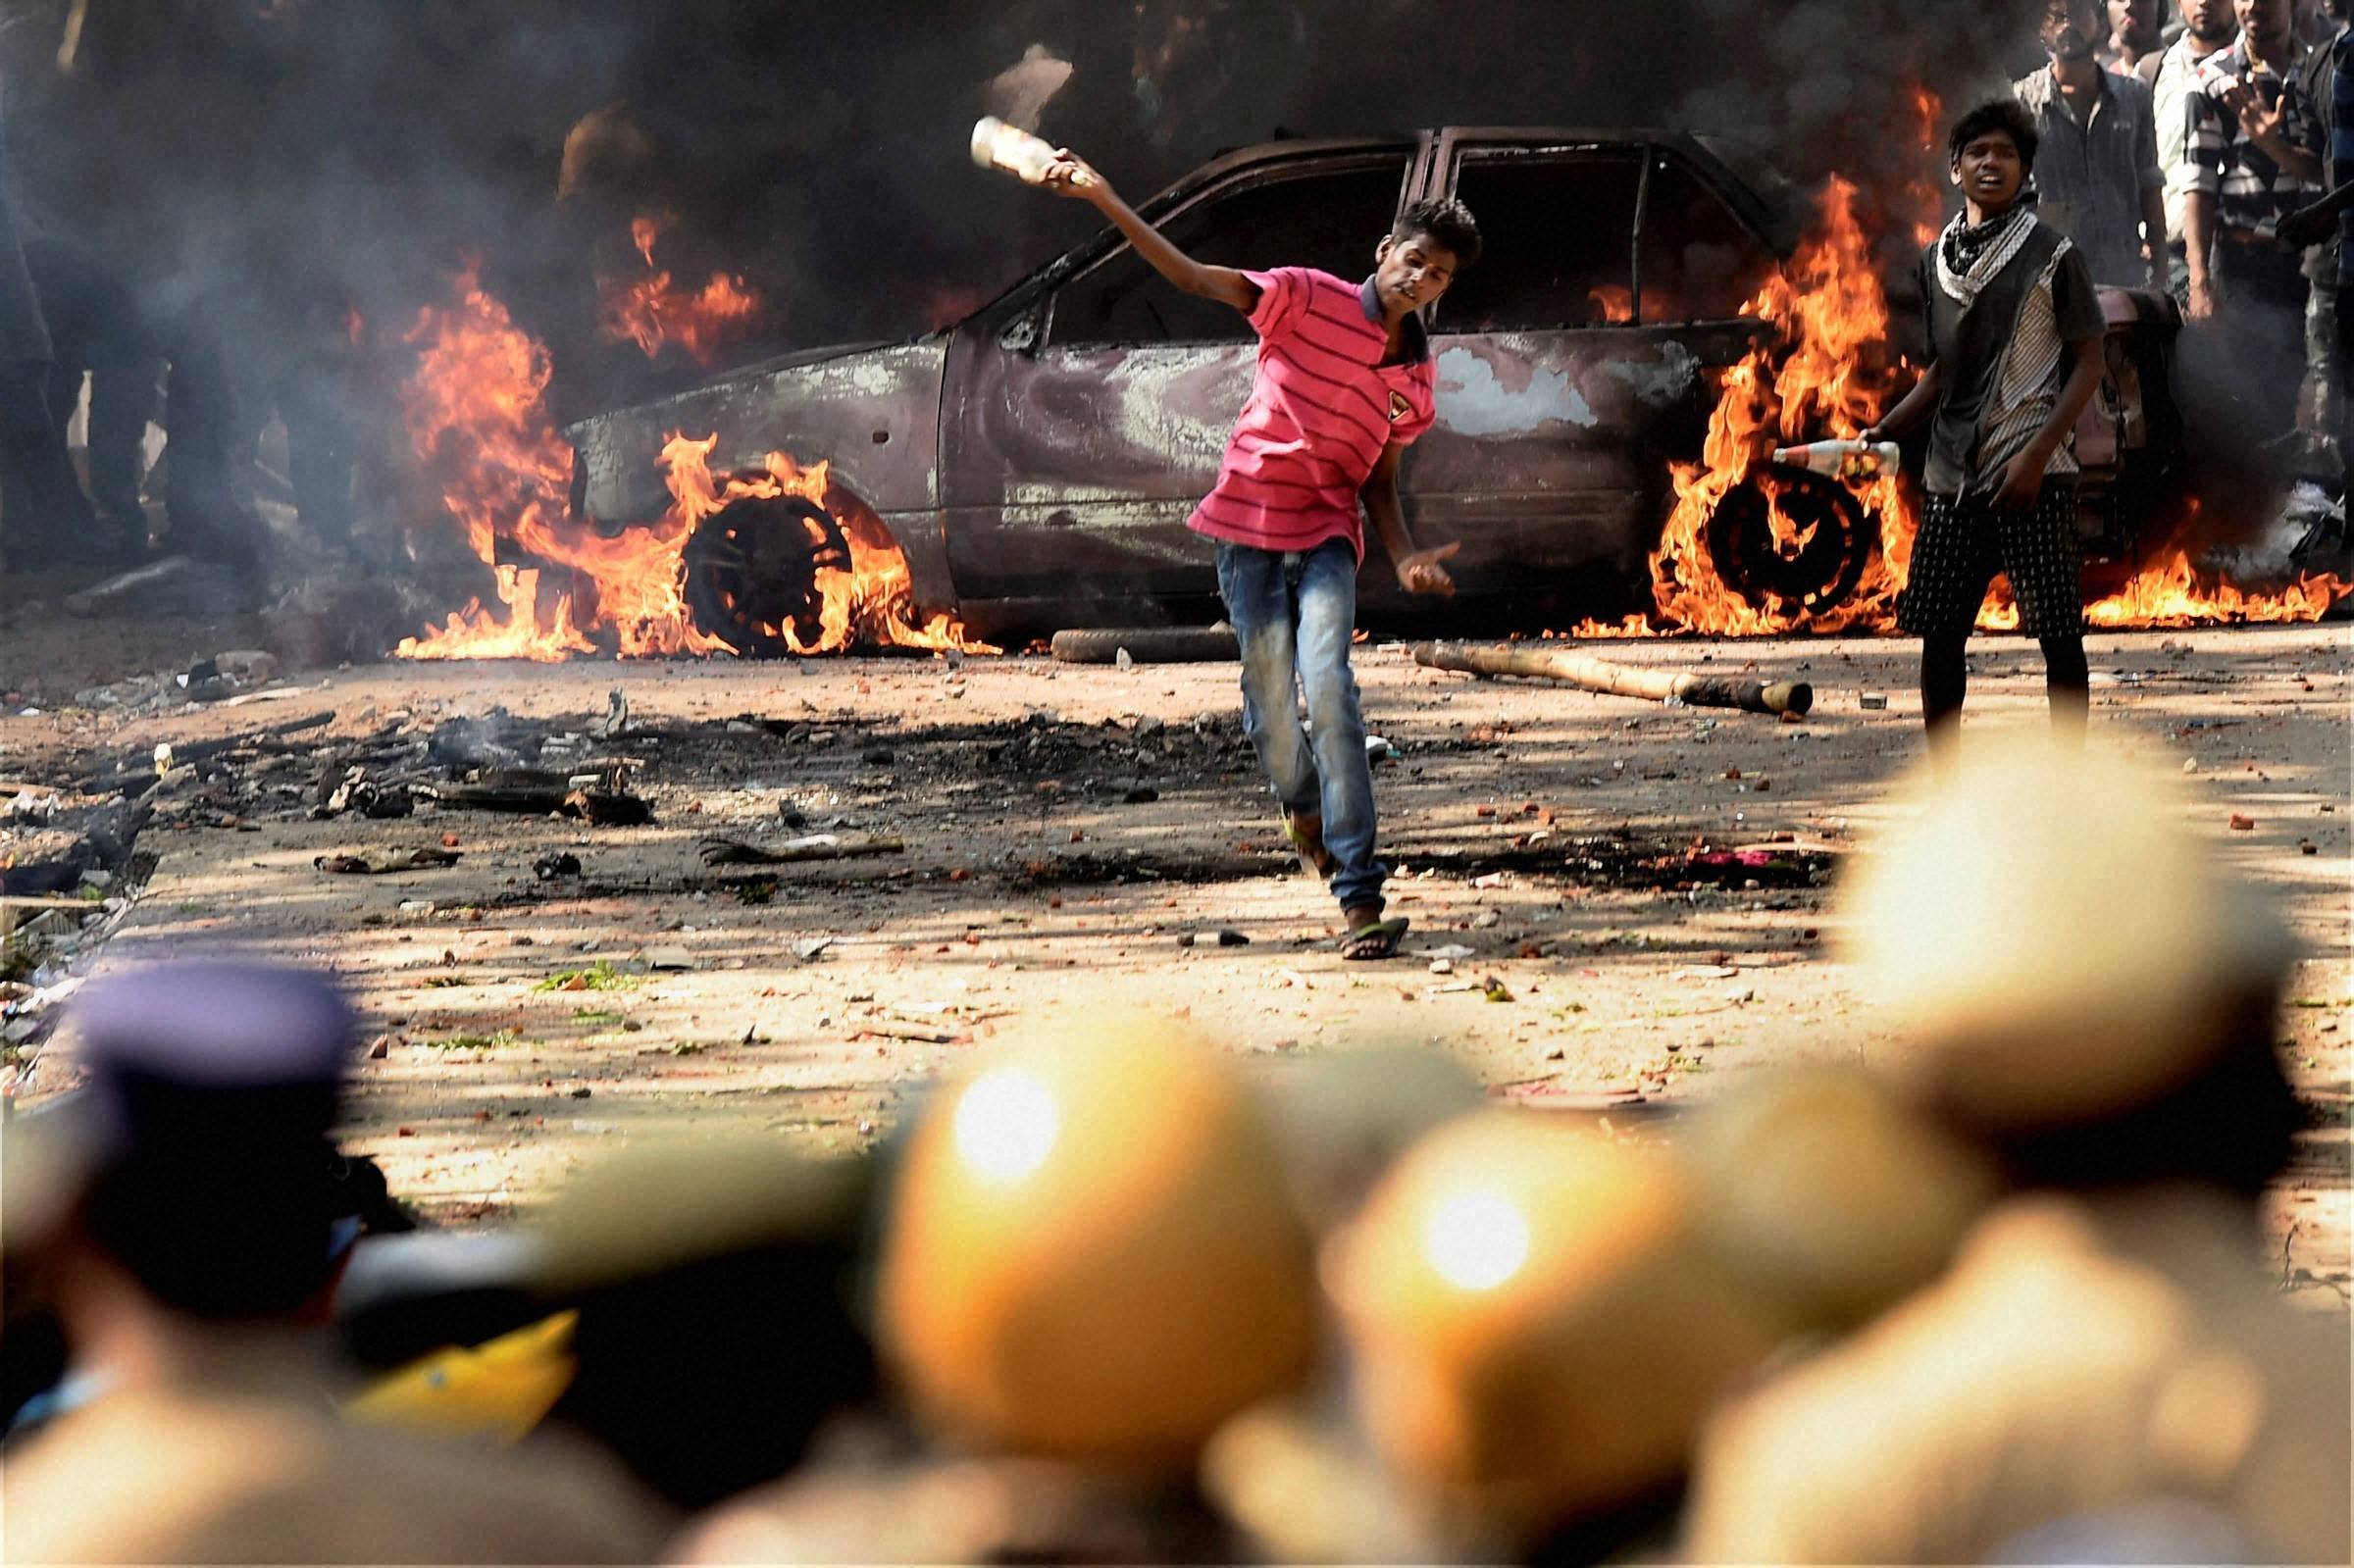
(1844, 460)
(998, 145)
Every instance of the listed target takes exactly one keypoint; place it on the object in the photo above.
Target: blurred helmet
(2048, 941)
(1091, 1253)
(1825, 1196)
(1536, 1328)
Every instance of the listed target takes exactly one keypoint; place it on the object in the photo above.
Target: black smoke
(265, 151)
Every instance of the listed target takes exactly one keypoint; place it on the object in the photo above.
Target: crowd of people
(1990, 1293)
(2201, 156)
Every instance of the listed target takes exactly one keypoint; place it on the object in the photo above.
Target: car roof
(1753, 189)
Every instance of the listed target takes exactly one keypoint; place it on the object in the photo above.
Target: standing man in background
(2133, 36)
(2207, 27)
(2096, 172)
(2255, 156)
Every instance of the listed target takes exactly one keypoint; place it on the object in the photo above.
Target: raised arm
(1071, 175)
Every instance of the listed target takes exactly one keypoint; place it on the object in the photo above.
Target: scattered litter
(564, 863)
(1450, 950)
(669, 958)
(1871, 701)
(2242, 823)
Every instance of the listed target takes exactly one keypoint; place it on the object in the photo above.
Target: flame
(872, 603)
(1928, 200)
(1611, 302)
(1828, 371)
(477, 416)
(651, 311)
(1825, 370)
(2175, 593)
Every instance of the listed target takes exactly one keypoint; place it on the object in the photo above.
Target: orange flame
(872, 603)
(1928, 202)
(1828, 373)
(1824, 374)
(650, 312)
(1611, 302)
(477, 416)
(2175, 593)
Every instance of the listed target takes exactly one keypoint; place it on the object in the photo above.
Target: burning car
(1033, 465)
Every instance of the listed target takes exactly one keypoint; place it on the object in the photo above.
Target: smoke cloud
(1020, 92)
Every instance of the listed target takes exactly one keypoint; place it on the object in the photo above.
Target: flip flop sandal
(1313, 856)
(1377, 940)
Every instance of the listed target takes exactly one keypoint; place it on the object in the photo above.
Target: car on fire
(1037, 461)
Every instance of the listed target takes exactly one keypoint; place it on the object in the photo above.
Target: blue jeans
(1293, 615)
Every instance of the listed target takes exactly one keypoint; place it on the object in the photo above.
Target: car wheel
(1801, 564)
(759, 567)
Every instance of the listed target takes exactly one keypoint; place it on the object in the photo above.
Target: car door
(1574, 360)
(1086, 416)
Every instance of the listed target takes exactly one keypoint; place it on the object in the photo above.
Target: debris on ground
(383, 863)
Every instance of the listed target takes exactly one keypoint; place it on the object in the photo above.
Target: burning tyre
(1792, 543)
(761, 571)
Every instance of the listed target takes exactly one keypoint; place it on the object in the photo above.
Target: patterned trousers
(1961, 548)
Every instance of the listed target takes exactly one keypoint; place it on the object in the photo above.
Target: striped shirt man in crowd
(2015, 354)
(2255, 156)
(1344, 385)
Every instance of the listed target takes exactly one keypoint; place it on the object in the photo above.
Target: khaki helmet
(1825, 1194)
(2047, 940)
(1537, 1331)
(1089, 1254)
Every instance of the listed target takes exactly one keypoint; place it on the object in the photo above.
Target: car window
(1328, 216)
(1700, 262)
(1558, 242)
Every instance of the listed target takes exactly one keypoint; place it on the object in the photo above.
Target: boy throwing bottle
(1343, 388)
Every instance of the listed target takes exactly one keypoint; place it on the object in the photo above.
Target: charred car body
(1036, 462)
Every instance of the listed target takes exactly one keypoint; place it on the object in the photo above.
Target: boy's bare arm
(1070, 176)
(1419, 571)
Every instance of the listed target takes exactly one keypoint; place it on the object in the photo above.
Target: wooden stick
(819, 846)
(1590, 673)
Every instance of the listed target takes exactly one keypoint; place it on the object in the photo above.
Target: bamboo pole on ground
(1590, 673)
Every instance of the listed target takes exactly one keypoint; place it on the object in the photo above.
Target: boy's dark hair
(1447, 222)
(2005, 115)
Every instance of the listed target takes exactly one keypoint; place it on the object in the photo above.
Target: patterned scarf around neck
(1968, 259)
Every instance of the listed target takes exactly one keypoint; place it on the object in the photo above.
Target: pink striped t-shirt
(1323, 407)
